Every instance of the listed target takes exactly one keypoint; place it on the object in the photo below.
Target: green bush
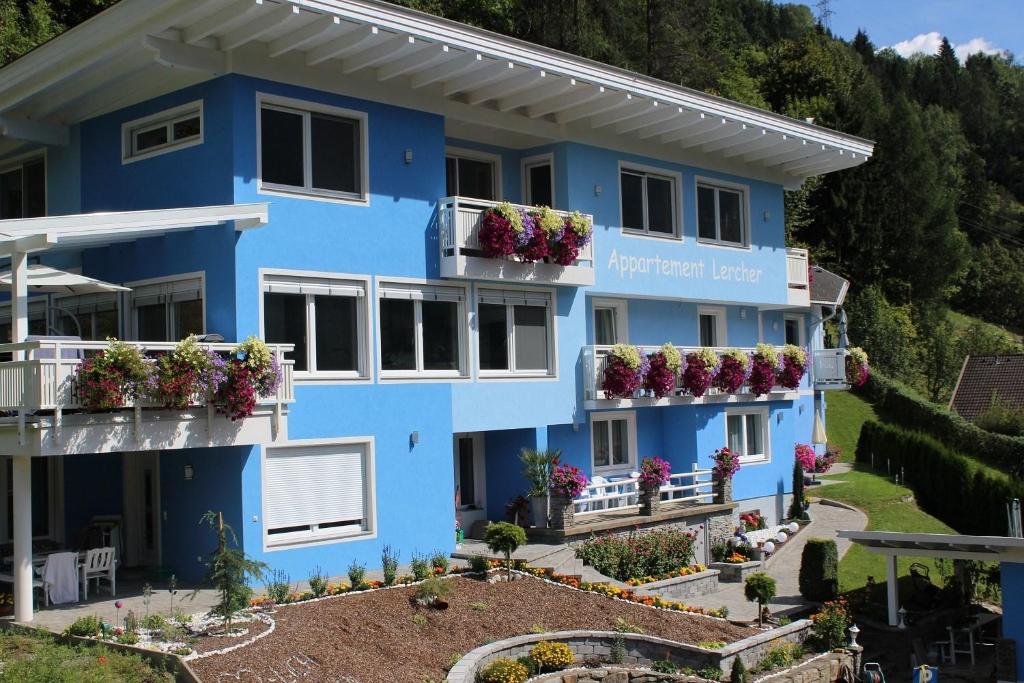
(504, 538)
(479, 563)
(84, 626)
(318, 583)
(819, 570)
(739, 672)
(420, 566)
(389, 564)
(779, 657)
(664, 666)
(648, 553)
(439, 561)
(901, 405)
(503, 671)
(947, 485)
(152, 622)
(759, 588)
(278, 586)
(1001, 418)
(357, 575)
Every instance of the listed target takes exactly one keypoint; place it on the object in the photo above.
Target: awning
(948, 546)
(52, 281)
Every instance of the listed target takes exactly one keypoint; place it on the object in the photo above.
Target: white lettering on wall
(629, 266)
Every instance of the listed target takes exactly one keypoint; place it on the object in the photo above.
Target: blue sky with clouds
(918, 25)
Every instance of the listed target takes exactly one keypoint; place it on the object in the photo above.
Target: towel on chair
(61, 577)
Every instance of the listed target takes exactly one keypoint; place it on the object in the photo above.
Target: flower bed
(682, 571)
(648, 553)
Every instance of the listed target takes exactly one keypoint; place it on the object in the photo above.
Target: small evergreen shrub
(759, 588)
(552, 656)
(479, 564)
(85, 627)
(504, 538)
(739, 671)
(433, 589)
(503, 671)
(819, 570)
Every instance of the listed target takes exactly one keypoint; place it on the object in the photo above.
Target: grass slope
(845, 414)
(38, 658)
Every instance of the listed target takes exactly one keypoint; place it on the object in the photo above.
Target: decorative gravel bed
(380, 637)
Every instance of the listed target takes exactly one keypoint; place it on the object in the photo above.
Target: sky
(910, 26)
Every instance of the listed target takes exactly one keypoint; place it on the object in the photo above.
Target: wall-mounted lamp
(767, 215)
(743, 314)
(597, 190)
(775, 325)
(188, 472)
(408, 156)
(414, 438)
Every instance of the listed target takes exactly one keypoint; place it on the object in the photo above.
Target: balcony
(829, 368)
(42, 414)
(595, 359)
(459, 220)
(797, 277)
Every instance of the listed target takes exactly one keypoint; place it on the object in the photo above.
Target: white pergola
(893, 544)
(21, 237)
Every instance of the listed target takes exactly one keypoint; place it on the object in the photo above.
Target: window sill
(499, 375)
(613, 471)
(328, 377)
(754, 460)
(632, 232)
(315, 539)
(160, 151)
(313, 195)
(392, 376)
(718, 243)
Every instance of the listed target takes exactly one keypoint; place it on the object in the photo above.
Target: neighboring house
(987, 379)
(314, 173)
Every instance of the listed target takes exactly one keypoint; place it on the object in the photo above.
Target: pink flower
(118, 604)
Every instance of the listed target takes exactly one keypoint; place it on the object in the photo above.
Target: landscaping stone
(736, 572)
(683, 587)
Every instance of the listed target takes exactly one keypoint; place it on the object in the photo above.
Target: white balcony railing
(621, 495)
(796, 268)
(829, 368)
(459, 220)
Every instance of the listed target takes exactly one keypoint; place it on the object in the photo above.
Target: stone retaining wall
(683, 587)
(736, 572)
(640, 650)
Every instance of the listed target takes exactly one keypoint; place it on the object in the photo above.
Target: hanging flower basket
(499, 228)
(663, 371)
(187, 375)
(701, 367)
(794, 365)
(764, 364)
(856, 366)
(733, 371)
(114, 377)
(253, 373)
(623, 372)
(575, 234)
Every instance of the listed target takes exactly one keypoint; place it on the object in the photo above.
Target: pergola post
(19, 300)
(893, 589)
(22, 485)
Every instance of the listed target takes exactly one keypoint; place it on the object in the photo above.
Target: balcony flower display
(187, 375)
(663, 370)
(499, 229)
(806, 456)
(856, 366)
(624, 371)
(733, 372)
(726, 463)
(575, 234)
(654, 472)
(532, 242)
(113, 378)
(764, 364)
(701, 367)
(253, 373)
(794, 365)
(567, 481)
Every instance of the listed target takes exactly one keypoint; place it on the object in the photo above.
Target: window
(721, 215)
(747, 434)
(168, 309)
(794, 329)
(318, 492)
(610, 322)
(164, 132)
(47, 498)
(539, 181)
(320, 151)
(23, 189)
(471, 174)
(421, 329)
(711, 322)
(613, 441)
(323, 316)
(515, 332)
(648, 202)
(93, 317)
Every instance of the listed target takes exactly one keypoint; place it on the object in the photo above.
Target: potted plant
(764, 364)
(663, 370)
(624, 371)
(654, 472)
(253, 373)
(567, 482)
(856, 366)
(499, 228)
(113, 378)
(575, 234)
(187, 374)
(532, 242)
(733, 371)
(794, 365)
(537, 468)
(701, 366)
(726, 465)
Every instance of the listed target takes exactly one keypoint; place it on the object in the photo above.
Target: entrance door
(470, 481)
(142, 508)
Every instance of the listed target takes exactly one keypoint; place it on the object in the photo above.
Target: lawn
(39, 658)
(846, 413)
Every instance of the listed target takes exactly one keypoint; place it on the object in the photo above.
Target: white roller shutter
(323, 286)
(84, 304)
(401, 290)
(515, 297)
(186, 289)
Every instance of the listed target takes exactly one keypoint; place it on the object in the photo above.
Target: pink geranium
(806, 456)
(654, 472)
(568, 481)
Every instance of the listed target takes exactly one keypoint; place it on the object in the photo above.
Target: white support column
(892, 585)
(19, 300)
(22, 485)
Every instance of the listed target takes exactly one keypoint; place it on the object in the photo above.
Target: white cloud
(928, 44)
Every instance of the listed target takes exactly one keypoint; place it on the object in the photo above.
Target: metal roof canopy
(81, 231)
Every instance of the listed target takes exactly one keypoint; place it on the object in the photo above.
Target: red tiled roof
(983, 376)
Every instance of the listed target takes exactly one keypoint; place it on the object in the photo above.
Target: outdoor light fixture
(781, 537)
(597, 190)
(768, 547)
(414, 438)
(793, 527)
(743, 314)
(408, 156)
(188, 472)
(853, 635)
(902, 611)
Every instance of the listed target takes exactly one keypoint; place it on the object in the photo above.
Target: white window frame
(476, 155)
(677, 200)
(419, 372)
(631, 440)
(163, 119)
(305, 108)
(20, 160)
(530, 162)
(766, 432)
(314, 537)
(132, 312)
(552, 371)
(56, 495)
(801, 332)
(621, 308)
(745, 227)
(362, 374)
(721, 324)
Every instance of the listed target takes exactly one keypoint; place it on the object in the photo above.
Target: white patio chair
(99, 564)
(38, 571)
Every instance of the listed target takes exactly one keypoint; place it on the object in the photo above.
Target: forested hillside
(935, 220)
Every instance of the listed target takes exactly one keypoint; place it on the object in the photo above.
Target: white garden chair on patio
(99, 564)
(38, 572)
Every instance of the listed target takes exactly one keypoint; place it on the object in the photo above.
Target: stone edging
(838, 504)
(245, 643)
(663, 583)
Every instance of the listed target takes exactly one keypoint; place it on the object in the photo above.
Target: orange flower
(102, 660)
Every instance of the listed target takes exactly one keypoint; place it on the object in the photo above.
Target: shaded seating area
(64, 576)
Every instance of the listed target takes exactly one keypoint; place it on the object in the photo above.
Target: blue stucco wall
(92, 486)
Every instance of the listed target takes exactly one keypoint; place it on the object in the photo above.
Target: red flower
(102, 660)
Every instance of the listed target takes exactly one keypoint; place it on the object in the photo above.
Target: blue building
(316, 174)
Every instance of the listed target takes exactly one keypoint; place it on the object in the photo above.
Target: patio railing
(622, 494)
(830, 368)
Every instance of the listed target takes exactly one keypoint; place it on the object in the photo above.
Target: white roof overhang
(949, 546)
(480, 81)
(82, 231)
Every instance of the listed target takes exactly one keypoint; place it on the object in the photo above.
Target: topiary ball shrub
(503, 671)
(552, 656)
(819, 570)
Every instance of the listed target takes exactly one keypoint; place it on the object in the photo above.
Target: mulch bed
(373, 637)
(207, 643)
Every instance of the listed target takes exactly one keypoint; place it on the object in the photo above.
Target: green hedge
(819, 570)
(899, 404)
(946, 484)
